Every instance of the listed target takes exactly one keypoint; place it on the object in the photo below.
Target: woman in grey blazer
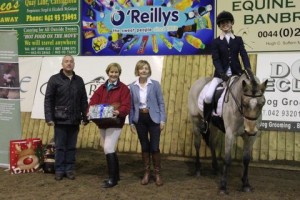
(147, 116)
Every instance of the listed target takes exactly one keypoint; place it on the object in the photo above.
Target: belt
(144, 110)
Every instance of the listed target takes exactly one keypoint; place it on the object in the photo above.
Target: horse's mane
(252, 81)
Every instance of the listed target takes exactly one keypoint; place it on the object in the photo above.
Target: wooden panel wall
(179, 72)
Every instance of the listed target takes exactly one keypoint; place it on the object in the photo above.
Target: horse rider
(225, 55)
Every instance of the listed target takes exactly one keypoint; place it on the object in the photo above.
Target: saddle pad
(217, 112)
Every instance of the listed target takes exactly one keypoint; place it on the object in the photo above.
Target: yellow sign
(265, 25)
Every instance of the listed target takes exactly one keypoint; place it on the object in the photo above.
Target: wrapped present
(25, 155)
(102, 115)
(101, 111)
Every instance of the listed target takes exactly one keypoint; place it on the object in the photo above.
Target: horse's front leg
(197, 143)
(248, 144)
(213, 140)
(227, 162)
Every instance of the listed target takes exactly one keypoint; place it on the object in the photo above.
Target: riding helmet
(224, 15)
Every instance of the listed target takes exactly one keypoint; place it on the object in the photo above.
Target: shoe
(70, 175)
(58, 176)
(109, 183)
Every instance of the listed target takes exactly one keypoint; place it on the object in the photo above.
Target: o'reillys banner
(146, 27)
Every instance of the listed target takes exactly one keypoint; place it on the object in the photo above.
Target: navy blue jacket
(225, 55)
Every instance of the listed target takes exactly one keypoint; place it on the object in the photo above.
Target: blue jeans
(65, 137)
(144, 127)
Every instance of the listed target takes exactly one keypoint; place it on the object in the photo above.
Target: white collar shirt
(143, 93)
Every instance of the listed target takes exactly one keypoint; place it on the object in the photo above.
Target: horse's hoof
(247, 189)
(223, 192)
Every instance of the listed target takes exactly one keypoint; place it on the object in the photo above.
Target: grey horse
(241, 116)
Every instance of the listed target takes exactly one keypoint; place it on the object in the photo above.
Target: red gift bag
(25, 155)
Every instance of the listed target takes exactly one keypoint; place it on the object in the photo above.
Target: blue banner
(152, 27)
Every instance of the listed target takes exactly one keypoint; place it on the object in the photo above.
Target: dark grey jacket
(65, 99)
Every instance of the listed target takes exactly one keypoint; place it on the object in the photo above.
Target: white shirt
(143, 93)
(227, 36)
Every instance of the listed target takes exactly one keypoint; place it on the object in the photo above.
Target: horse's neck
(236, 87)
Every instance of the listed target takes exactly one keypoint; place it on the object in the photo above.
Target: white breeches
(109, 139)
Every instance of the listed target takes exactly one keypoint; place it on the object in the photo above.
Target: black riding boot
(112, 171)
(117, 169)
(207, 115)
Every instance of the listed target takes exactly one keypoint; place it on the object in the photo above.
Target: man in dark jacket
(65, 108)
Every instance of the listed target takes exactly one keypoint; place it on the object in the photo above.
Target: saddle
(217, 103)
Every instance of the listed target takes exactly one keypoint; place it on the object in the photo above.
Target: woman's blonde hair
(113, 65)
(139, 65)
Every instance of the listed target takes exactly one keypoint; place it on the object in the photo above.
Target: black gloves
(224, 77)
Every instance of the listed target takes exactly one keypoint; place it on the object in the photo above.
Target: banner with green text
(10, 118)
(44, 27)
(265, 25)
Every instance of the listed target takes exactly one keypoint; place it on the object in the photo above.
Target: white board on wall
(29, 69)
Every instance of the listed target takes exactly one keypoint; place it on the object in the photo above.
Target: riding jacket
(225, 55)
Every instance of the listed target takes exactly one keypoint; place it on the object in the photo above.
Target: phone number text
(52, 18)
(281, 113)
(283, 33)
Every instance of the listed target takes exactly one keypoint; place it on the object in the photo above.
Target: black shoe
(70, 175)
(106, 180)
(109, 183)
(58, 176)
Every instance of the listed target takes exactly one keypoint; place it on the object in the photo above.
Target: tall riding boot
(117, 167)
(112, 167)
(146, 159)
(157, 168)
(207, 115)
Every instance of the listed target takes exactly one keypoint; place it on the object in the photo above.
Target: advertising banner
(92, 70)
(282, 109)
(265, 25)
(44, 27)
(152, 27)
(10, 117)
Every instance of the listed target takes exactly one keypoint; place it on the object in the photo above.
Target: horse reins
(240, 106)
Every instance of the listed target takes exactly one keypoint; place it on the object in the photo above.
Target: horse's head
(252, 102)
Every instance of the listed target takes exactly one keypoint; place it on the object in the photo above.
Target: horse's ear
(263, 86)
(245, 86)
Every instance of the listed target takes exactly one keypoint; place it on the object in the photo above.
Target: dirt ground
(179, 182)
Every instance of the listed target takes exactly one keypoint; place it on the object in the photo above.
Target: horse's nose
(250, 127)
(251, 134)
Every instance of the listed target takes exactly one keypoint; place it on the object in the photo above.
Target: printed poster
(10, 117)
(147, 27)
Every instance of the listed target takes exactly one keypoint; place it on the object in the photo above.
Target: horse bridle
(240, 105)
